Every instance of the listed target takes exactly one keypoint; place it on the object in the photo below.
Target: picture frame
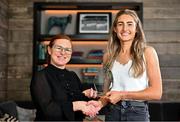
(93, 22)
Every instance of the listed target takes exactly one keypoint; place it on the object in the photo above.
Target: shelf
(77, 65)
(41, 62)
(90, 74)
(89, 42)
(51, 6)
(76, 11)
(79, 37)
(83, 65)
(82, 41)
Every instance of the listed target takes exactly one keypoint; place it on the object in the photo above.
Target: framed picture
(93, 22)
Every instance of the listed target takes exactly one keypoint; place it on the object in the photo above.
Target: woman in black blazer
(57, 92)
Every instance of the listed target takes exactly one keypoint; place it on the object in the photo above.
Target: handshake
(91, 108)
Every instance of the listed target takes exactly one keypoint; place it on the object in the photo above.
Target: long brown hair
(137, 48)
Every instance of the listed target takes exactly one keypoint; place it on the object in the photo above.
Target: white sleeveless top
(123, 79)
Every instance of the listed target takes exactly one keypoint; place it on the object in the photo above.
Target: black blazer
(53, 90)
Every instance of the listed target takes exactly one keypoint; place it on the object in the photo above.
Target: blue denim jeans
(128, 111)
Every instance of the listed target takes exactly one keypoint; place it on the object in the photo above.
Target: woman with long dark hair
(134, 71)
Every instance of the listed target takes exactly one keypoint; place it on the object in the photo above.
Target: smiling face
(125, 28)
(60, 52)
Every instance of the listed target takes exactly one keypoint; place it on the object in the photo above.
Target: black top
(53, 90)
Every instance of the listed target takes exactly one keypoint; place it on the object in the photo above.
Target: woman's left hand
(90, 93)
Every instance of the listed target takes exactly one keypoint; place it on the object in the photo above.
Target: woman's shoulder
(149, 48)
(40, 73)
(150, 52)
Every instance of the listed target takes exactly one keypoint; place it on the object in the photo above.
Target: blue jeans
(128, 111)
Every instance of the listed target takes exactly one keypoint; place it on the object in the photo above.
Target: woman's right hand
(97, 104)
(86, 109)
(101, 102)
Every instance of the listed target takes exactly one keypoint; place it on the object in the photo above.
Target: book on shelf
(90, 70)
(95, 56)
(77, 53)
(42, 49)
(89, 74)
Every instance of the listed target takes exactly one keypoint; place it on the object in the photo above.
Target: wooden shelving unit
(83, 42)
